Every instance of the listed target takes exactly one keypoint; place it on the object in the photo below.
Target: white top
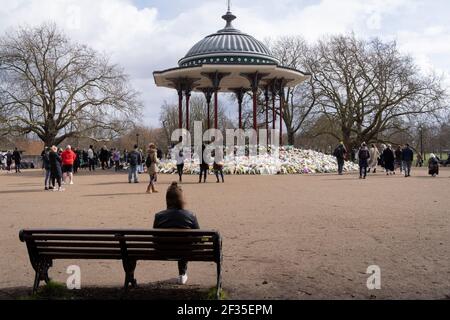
(90, 154)
(180, 158)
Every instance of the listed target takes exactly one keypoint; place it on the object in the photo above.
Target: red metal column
(274, 112)
(216, 108)
(255, 106)
(180, 109)
(266, 95)
(188, 98)
(240, 114)
(209, 116)
(281, 115)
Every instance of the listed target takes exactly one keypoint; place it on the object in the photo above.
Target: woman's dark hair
(174, 197)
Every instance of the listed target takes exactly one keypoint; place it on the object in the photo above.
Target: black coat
(389, 159)
(433, 166)
(17, 157)
(175, 219)
(55, 163)
(407, 154)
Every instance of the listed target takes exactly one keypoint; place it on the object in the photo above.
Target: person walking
(398, 159)
(419, 162)
(68, 158)
(46, 166)
(407, 158)
(204, 166)
(374, 155)
(433, 165)
(134, 159)
(176, 217)
(340, 153)
(180, 164)
(91, 158)
(17, 159)
(389, 160)
(218, 164)
(363, 160)
(152, 167)
(55, 168)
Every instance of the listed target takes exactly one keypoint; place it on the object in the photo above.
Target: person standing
(17, 159)
(134, 159)
(433, 165)
(176, 217)
(180, 164)
(68, 158)
(91, 158)
(104, 157)
(407, 158)
(77, 162)
(374, 155)
(46, 167)
(152, 167)
(55, 168)
(363, 159)
(204, 166)
(388, 160)
(381, 158)
(116, 159)
(9, 159)
(340, 153)
(398, 158)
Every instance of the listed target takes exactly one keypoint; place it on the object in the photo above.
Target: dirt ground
(285, 237)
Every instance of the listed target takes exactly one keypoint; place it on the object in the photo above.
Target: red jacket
(68, 157)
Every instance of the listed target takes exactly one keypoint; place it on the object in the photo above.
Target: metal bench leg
(36, 282)
(41, 274)
(129, 268)
(219, 280)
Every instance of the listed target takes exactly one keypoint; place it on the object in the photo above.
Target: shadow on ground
(150, 291)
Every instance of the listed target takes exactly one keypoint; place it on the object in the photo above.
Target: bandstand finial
(229, 17)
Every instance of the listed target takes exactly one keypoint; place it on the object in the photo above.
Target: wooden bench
(129, 246)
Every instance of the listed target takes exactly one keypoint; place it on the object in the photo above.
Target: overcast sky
(147, 35)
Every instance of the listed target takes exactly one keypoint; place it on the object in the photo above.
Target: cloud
(141, 41)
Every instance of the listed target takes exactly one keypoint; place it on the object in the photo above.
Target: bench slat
(70, 237)
(119, 231)
(82, 256)
(75, 251)
(187, 246)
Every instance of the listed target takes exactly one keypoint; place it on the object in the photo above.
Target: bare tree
(58, 89)
(300, 101)
(197, 112)
(367, 87)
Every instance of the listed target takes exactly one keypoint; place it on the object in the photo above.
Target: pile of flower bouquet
(288, 160)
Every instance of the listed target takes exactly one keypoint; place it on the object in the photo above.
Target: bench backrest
(161, 244)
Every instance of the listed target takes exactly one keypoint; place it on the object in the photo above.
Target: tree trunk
(291, 137)
(49, 140)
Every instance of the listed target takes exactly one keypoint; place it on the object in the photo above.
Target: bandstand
(233, 62)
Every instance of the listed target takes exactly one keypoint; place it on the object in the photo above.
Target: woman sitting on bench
(175, 217)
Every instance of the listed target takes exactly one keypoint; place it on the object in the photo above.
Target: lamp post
(137, 139)
(421, 143)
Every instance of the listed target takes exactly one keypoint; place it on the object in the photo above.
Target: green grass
(212, 294)
(51, 291)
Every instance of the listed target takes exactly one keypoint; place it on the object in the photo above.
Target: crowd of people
(390, 160)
